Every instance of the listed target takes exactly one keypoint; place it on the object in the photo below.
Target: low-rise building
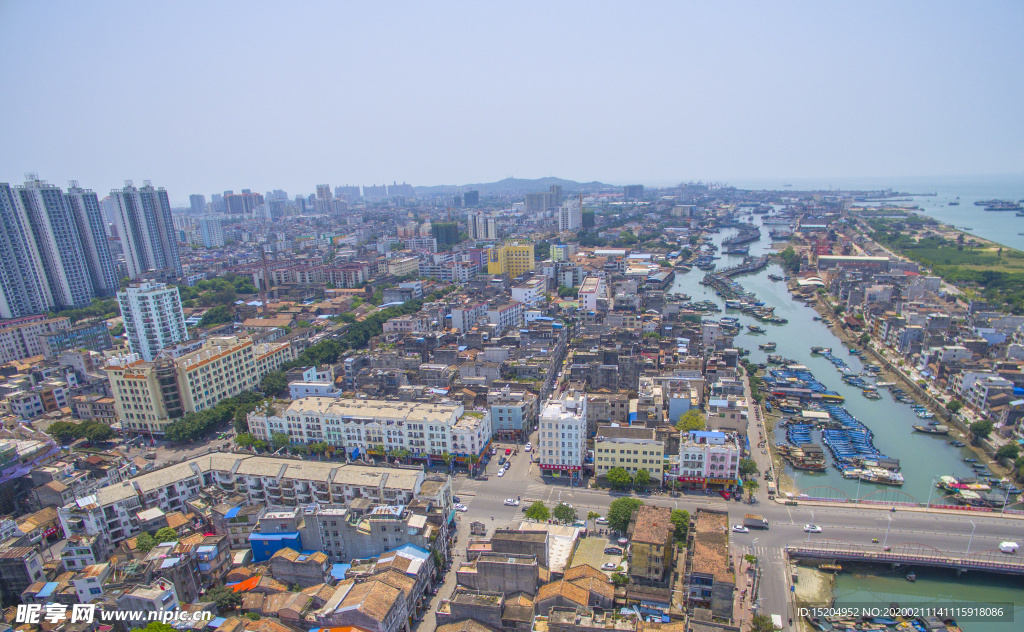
(651, 543)
(708, 458)
(562, 435)
(500, 572)
(712, 578)
(305, 569)
(632, 448)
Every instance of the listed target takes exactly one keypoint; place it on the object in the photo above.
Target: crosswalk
(764, 553)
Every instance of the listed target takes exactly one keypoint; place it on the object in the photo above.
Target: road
(856, 526)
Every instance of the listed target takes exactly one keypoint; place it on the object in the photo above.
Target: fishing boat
(767, 346)
(871, 394)
(911, 577)
(820, 350)
(925, 415)
(774, 277)
(757, 329)
(938, 429)
(832, 568)
(955, 202)
(970, 460)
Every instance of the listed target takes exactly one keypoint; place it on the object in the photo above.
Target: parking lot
(590, 550)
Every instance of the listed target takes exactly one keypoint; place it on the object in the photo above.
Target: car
(508, 451)
(610, 566)
(501, 472)
(812, 528)
(528, 447)
(724, 494)
(455, 499)
(613, 550)
(601, 520)
(738, 528)
(460, 507)
(511, 502)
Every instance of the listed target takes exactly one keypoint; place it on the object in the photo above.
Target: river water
(922, 457)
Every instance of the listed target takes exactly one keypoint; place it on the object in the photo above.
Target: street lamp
(974, 526)
(857, 500)
(930, 490)
(886, 540)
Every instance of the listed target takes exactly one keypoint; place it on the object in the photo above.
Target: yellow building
(150, 395)
(651, 542)
(630, 448)
(513, 258)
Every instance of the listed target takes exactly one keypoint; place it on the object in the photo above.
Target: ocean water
(1001, 227)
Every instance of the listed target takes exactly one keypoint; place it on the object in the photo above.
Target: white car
(610, 566)
(460, 507)
(501, 472)
(812, 528)
(738, 528)
(511, 502)
(529, 446)
(601, 520)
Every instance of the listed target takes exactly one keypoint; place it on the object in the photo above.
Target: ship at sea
(955, 202)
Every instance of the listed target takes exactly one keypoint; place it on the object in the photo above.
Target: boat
(937, 429)
(768, 346)
(925, 415)
(820, 350)
(911, 577)
(970, 460)
(774, 277)
(832, 568)
(955, 202)
(757, 329)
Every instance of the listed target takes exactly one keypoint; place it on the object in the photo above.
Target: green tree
(165, 534)
(274, 383)
(691, 420)
(748, 467)
(156, 626)
(217, 315)
(446, 457)
(619, 579)
(279, 440)
(865, 338)
(620, 511)
(681, 520)
(642, 478)
(565, 513)
(246, 440)
(565, 291)
(790, 260)
(981, 429)
(750, 485)
(542, 250)
(537, 511)
(1019, 463)
(618, 478)
(252, 616)
(1008, 451)
(95, 431)
(473, 460)
(63, 431)
(954, 406)
(225, 598)
(145, 542)
(592, 515)
(762, 623)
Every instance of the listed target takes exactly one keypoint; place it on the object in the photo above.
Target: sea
(1002, 227)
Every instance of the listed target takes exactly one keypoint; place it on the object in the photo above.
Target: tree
(748, 467)
(145, 542)
(252, 616)
(448, 458)
(156, 626)
(63, 431)
(274, 383)
(681, 520)
(865, 338)
(473, 460)
(981, 429)
(565, 291)
(620, 511)
(95, 431)
(642, 478)
(619, 579)
(1019, 463)
(537, 511)
(217, 315)
(691, 420)
(618, 478)
(246, 440)
(751, 486)
(593, 515)
(279, 440)
(954, 406)
(1008, 451)
(565, 513)
(166, 534)
(225, 598)
(762, 623)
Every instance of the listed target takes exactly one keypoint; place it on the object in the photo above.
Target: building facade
(563, 435)
(631, 448)
(143, 219)
(153, 318)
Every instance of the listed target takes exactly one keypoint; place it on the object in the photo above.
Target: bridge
(991, 561)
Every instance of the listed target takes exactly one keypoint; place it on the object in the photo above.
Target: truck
(771, 490)
(754, 521)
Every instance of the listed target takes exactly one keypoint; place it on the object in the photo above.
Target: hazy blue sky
(207, 96)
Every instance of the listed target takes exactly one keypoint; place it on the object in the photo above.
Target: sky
(201, 97)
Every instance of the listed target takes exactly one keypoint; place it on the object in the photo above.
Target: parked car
(812, 528)
(601, 520)
(613, 550)
(455, 499)
(738, 528)
(528, 447)
(460, 507)
(610, 566)
(511, 502)
(501, 472)
(724, 494)
(508, 451)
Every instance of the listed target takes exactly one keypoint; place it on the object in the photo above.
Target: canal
(922, 457)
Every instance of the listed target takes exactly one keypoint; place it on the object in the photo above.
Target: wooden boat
(937, 429)
(832, 568)
(911, 577)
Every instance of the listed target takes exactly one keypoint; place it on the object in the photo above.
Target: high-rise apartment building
(563, 435)
(212, 232)
(323, 192)
(197, 201)
(153, 319)
(244, 203)
(570, 216)
(89, 219)
(512, 258)
(22, 280)
(147, 231)
(481, 227)
(57, 241)
(556, 194)
(633, 192)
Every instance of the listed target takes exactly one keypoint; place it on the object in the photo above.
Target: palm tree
(473, 460)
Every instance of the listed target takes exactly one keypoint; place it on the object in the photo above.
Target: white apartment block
(570, 216)
(708, 458)
(531, 292)
(427, 431)
(593, 288)
(506, 316)
(19, 339)
(212, 232)
(153, 319)
(563, 434)
(264, 480)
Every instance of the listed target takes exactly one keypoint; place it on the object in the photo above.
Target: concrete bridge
(991, 561)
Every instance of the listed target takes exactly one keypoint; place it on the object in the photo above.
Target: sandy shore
(814, 587)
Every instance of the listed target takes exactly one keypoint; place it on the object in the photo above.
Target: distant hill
(519, 186)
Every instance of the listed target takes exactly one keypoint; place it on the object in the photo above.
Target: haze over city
(201, 97)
